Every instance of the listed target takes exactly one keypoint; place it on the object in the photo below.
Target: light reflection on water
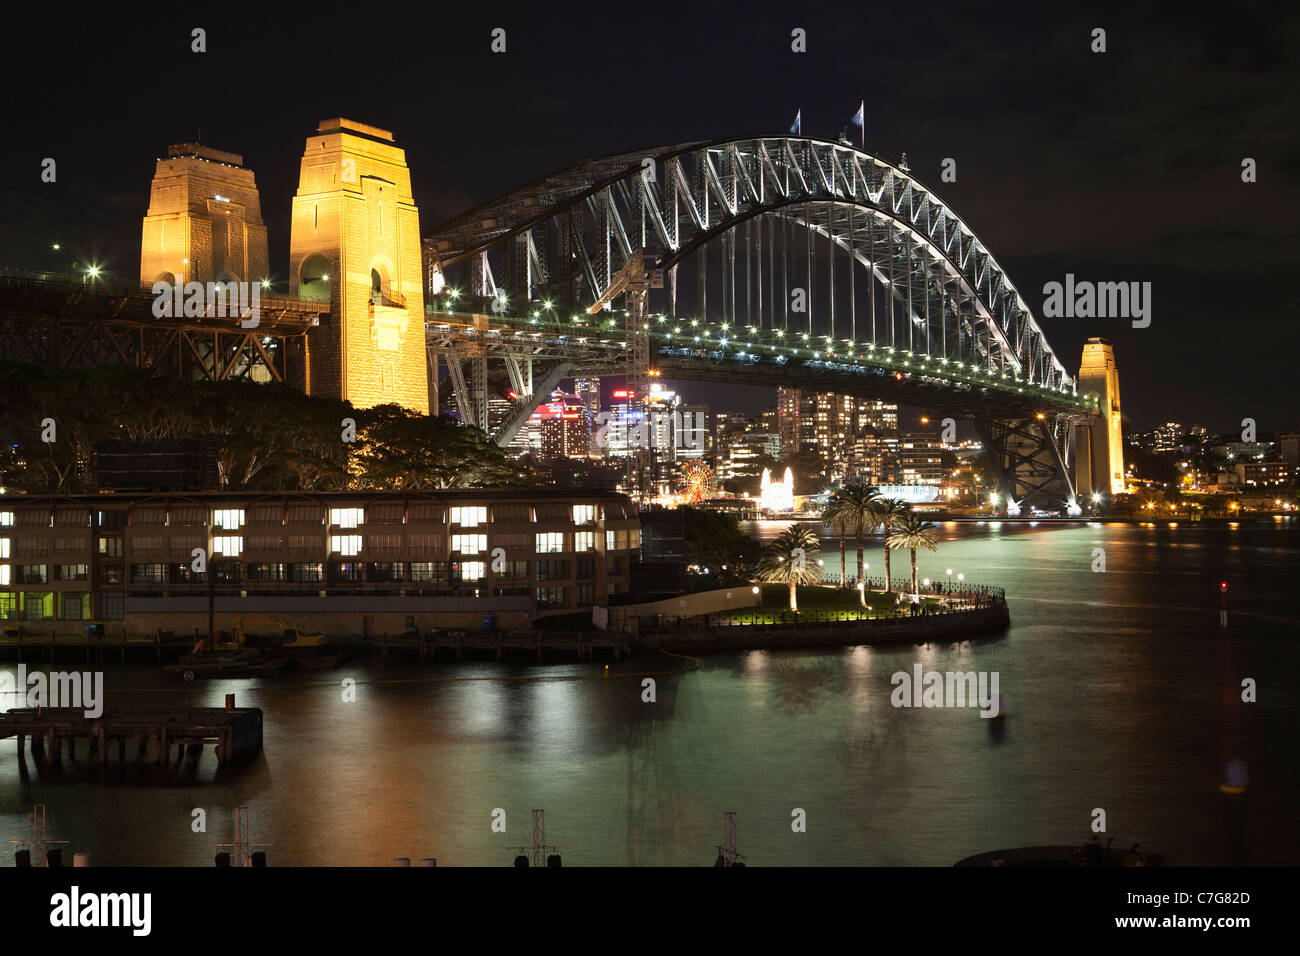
(1122, 689)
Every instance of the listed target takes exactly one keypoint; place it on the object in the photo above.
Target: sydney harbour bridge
(780, 260)
(773, 260)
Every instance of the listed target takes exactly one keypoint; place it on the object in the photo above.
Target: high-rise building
(1169, 437)
(788, 408)
(588, 392)
(562, 426)
(919, 459)
(743, 454)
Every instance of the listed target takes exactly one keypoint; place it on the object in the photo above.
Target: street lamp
(67, 256)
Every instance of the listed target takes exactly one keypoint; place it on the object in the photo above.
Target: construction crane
(633, 282)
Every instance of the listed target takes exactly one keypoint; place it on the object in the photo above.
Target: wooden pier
(35, 646)
(234, 732)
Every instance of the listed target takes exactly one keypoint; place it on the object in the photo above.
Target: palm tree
(787, 560)
(911, 532)
(860, 502)
(887, 511)
(838, 515)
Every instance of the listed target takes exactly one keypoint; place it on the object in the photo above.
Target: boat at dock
(1089, 854)
(249, 662)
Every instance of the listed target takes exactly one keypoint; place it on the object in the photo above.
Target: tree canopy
(266, 436)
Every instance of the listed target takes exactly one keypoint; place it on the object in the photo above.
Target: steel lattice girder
(60, 322)
(214, 354)
(607, 209)
(1033, 457)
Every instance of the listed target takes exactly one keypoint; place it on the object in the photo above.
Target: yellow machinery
(284, 635)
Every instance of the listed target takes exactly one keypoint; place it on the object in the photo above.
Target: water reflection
(1122, 698)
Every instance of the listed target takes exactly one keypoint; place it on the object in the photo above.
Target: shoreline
(980, 622)
(1095, 519)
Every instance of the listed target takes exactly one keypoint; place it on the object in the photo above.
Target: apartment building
(351, 561)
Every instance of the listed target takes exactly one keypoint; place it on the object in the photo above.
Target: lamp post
(950, 589)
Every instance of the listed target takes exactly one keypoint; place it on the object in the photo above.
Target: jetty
(235, 733)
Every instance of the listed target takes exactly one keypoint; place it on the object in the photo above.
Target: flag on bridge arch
(859, 120)
(797, 126)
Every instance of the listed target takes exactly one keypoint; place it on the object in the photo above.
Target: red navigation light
(1223, 585)
(512, 395)
(898, 376)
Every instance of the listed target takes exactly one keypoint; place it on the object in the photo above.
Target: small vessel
(250, 662)
(1090, 854)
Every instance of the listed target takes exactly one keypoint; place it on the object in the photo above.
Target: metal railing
(932, 604)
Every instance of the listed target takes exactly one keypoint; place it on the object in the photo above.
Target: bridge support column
(1032, 456)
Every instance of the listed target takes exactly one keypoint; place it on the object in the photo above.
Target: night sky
(1122, 166)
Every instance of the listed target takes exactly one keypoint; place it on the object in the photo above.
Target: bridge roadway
(713, 352)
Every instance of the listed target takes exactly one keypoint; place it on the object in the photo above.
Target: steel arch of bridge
(576, 228)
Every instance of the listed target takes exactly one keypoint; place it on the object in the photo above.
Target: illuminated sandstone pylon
(1100, 445)
(204, 222)
(355, 242)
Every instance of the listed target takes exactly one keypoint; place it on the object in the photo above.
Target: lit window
(584, 541)
(469, 543)
(584, 514)
(228, 545)
(4, 547)
(472, 570)
(550, 542)
(470, 516)
(347, 545)
(346, 517)
(4, 575)
(229, 519)
(6, 519)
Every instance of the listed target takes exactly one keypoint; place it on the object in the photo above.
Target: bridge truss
(61, 320)
(773, 260)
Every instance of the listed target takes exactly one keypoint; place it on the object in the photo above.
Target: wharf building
(343, 564)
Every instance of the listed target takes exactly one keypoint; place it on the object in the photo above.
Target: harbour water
(1123, 693)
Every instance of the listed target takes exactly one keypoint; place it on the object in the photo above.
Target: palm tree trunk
(914, 588)
(888, 585)
(862, 577)
(843, 558)
(794, 600)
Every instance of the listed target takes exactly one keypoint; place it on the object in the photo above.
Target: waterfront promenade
(939, 615)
